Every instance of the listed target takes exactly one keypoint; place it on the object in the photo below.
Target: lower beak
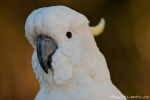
(45, 47)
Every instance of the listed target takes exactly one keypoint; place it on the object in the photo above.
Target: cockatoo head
(62, 42)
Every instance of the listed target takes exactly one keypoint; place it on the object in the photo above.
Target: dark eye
(69, 34)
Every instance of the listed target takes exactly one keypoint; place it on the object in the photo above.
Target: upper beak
(45, 49)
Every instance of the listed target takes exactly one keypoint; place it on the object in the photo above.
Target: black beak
(45, 49)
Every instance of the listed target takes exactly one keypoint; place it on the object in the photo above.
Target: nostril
(47, 37)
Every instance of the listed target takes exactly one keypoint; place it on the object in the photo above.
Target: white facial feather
(79, 69)
(54, 22)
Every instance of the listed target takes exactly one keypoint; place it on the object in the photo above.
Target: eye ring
(69, 34)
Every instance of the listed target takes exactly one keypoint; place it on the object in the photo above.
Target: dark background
(125, 43)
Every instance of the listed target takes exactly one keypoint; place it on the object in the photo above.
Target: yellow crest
(96, 30)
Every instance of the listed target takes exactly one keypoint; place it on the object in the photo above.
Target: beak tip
(46, 71)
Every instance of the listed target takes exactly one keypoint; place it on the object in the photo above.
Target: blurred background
(125, 43)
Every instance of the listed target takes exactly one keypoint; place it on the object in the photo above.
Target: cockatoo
(66, 59)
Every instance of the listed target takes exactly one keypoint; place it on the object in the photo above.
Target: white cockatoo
(66, 59)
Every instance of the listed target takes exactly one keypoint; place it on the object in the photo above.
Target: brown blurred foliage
(125, 43)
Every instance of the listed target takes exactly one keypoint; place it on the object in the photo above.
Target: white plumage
(79, 69)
